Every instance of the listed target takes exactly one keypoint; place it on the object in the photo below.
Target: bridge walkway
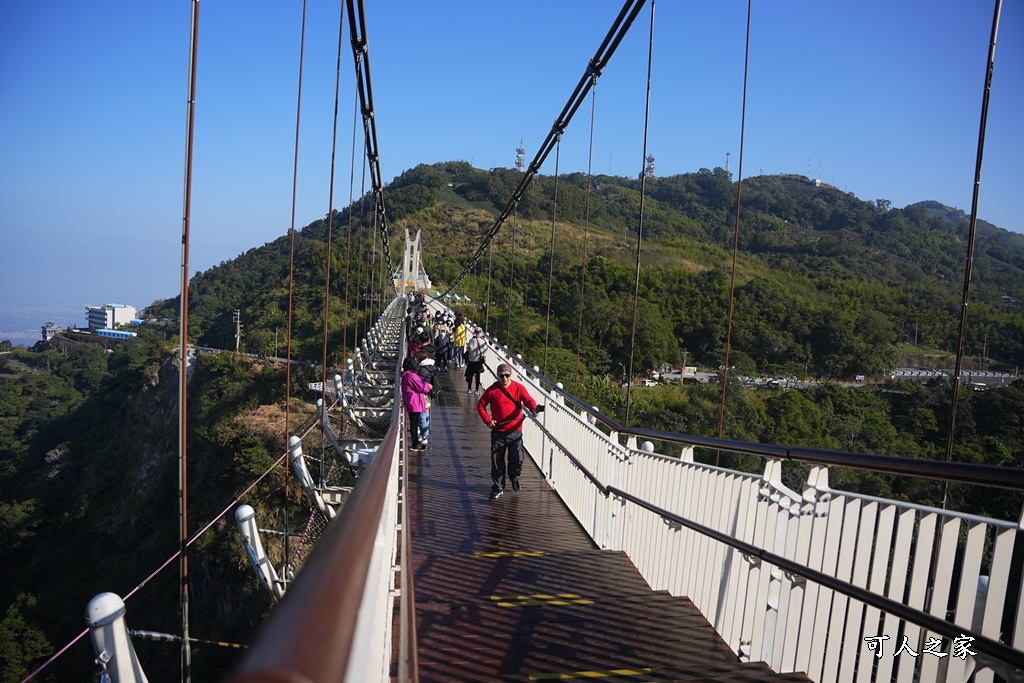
(514, 590)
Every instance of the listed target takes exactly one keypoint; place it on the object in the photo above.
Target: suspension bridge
(618, 559)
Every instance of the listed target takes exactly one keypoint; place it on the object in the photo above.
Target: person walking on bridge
(506, 399)
(476, 354)
(414, 396)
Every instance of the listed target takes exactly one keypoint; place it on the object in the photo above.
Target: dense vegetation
(828, 286)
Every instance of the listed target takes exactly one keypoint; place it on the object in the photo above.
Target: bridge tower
(412, 275)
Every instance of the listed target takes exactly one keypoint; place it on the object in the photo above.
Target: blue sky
(880, 98)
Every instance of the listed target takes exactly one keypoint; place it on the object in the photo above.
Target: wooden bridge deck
(514, 590)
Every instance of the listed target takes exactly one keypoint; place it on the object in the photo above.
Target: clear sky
(881, 98)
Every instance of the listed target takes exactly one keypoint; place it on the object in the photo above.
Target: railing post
(115, 654)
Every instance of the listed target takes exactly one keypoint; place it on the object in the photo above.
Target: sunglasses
(504, 374)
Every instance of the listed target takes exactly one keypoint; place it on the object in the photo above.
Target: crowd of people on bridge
(440, 343)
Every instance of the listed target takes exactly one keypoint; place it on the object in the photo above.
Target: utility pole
(237, 318)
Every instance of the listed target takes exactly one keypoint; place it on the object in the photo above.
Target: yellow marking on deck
(537, 600)
(513, 553)
(590, 674)
(536, 596)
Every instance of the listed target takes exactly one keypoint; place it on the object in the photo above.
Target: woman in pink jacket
(414, 393)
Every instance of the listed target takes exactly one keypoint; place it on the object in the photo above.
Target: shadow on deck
(514, 590)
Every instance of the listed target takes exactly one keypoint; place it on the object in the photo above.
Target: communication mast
(520, 157)
(649, 168)
(727, 153)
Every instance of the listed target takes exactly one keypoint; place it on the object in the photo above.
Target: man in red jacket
(506, 400)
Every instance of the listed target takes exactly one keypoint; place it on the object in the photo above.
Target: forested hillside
(828, 286)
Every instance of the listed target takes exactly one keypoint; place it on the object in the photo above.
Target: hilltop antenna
(649, 168)
(520, 157)
(727, 161)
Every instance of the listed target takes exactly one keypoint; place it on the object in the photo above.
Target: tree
(22, 645)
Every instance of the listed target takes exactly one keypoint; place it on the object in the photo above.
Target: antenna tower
(727, 153)
(649, 168)
(520, 157)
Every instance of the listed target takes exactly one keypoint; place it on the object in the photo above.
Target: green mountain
(827, 284)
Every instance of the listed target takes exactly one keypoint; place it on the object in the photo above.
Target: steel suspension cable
(595, 66)
(586, 230)
(361, 56)
(551, 255)
(291, 286)
(968, 265)
(640, 223)
(330, 233)
(736, 236)
(186, 651)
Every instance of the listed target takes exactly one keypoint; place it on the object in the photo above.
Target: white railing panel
(941, 583)
(897, 585)
(844, 571)
(879, 567)
(998, 583)
(829, 564)
(854, 609)
(818, 501)
(918, 588)
(967, 594)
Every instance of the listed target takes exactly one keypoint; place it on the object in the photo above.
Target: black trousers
(474, 368)
(414, 429)
(505, 445)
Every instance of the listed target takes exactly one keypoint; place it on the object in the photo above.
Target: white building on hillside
(109, 316)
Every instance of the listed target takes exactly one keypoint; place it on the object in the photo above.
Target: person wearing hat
(476, 353)
(506, 399)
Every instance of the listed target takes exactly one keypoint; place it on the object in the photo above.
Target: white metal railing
(741, 546)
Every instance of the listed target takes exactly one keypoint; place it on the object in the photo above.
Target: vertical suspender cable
(987, 91)
(511, 277)
(360, 291)
(351, 201)
(186, 651)
(735, 238)
(586, 229)
(526, 286)
(330, 232)
(640, 224)
(551, 262)
(291, 289)
(487, 303)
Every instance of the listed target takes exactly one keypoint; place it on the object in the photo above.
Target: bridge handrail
(960, 472)
(314, 633)
(992, 648)
(786, 577)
